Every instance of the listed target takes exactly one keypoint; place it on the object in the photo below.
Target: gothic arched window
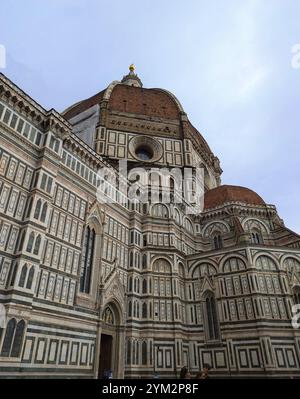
(37, 245)
(144, 311)
(265, 263)
(23, 276)
(29, 206)
(292, 266)
(21, 242)
(131, 259)
(129, 309)
(130, 284)
(128, 352)
(108, 316)
(13, 339)
(18, 339)
(37, 209)
(30, 242)
(44, 212)
(296, 295)
(256, 237)
(218, 242)
(87, 260)
(211, 317)
(144, 286)
(144, 352)
(8, 338)
(14, 273)
(30, 278)
(144, 261)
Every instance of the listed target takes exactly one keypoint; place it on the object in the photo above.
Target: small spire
(132, 68)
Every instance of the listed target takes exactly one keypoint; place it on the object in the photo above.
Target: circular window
(145, 148)
(144, 153)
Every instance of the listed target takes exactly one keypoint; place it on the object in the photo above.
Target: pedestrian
(204, 374)
(184, 373)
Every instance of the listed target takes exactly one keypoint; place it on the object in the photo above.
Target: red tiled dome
(149, 102)
(219, 195)
(133, 100)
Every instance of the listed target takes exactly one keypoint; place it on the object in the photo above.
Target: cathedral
(106, 285)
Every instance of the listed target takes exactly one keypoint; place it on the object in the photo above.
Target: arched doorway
(111, 353)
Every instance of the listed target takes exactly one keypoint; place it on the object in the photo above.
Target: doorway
(105, 362)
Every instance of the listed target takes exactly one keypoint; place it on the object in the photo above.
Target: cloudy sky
(229, 63)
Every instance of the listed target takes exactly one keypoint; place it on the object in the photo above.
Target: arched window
(30, 278)
(188, 225)
(144, 310)
(161, 266)
(144, 261)
(172, 188)
(234, 264)
(292, 266)
(87, 260)
(296, 295)
(144, 353)
(160, 210)
(177, 216)
(30, 242)
(23, 276)
(144, 286)
(137, 260)
(13, 338)
(29, 206)
(130, 284)
(14, 273)
(37, 245)
(265, 263)
(129, 309)
(218, 242)
(137, 352)
(211, 317)
(18, 339)
(108, 316)
(133, 352)
(137, 309)
(131, 259)
(256, 237)
(132, 237)
(44, 212)
(37, 209)
(128, 352)
(21, 242)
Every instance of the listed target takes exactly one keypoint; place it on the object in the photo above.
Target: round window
(145, 149)
(144, 153)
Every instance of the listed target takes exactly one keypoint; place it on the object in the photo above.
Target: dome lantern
(132, 79)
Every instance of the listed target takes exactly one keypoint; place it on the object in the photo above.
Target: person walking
(204, 374)
(184, 373)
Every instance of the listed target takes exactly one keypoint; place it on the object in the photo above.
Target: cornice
(238, 209)
(31, 110)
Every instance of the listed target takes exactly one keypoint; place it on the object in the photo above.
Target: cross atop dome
(132, 78)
